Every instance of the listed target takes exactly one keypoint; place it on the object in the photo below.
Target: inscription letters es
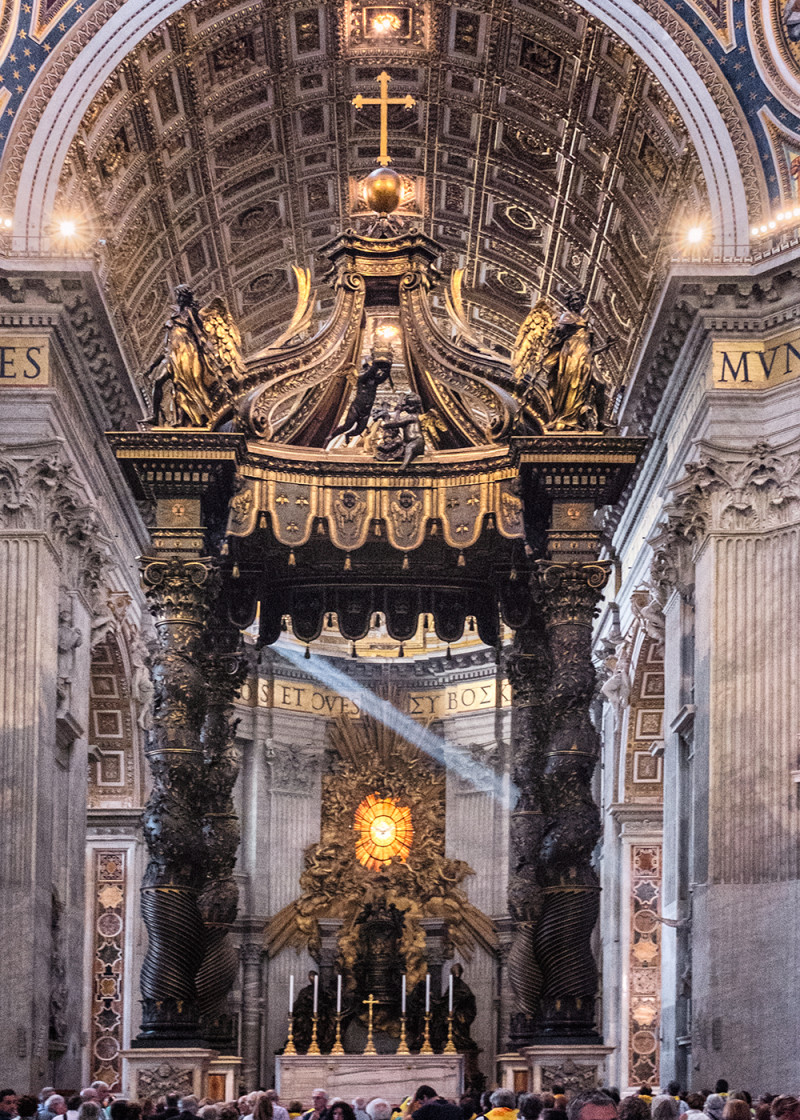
(24, 360)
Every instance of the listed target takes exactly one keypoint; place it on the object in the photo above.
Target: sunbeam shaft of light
(449, 755)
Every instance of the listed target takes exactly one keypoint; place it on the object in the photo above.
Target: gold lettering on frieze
(754, 363)
(422, 704)
(24, 360)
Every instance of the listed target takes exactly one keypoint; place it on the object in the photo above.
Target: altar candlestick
(339, 994)
(427, 993)
(403, 994)
(291, 994)
(316, 990)
(450, 995)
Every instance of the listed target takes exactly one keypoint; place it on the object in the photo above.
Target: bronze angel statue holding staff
(200, 364)
(555, 354)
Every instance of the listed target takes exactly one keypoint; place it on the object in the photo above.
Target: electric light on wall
(784, 219)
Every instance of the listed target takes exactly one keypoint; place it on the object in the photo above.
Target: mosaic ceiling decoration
(540, 153)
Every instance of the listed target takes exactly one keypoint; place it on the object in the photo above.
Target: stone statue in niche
(557, 352)
(402, 436)
(372, 376)
(69, 639)
(191, 381)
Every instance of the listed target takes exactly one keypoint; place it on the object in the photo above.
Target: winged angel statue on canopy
(555, 354)
(196, 375)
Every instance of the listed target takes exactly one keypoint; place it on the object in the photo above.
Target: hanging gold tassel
(461, 561)
(307, 654)
(401, 652)
(236, 573)
(348, 564)
(513, 575)
(292, 561)
(353, 649)
(448, 656)
(405, 561)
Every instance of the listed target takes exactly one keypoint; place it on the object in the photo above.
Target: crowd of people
(98, 1103)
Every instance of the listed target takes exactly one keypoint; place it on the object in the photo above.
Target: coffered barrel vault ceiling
(541, 155)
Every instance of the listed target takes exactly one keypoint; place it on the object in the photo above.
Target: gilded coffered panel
(540, 153)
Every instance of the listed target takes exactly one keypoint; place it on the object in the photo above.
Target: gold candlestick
(370, 1047)
(337, 1045)
(314, 1045)
(402, 1047)
(426, 1047)
(290, 1048)
(450, 1048)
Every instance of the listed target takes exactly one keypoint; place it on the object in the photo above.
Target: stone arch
(40, 144)
(114, 770)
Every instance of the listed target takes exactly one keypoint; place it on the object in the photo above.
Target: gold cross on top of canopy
(384, 101)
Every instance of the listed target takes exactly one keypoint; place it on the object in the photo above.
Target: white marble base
(392, 1076)
(576, 1067)
(153, 1071)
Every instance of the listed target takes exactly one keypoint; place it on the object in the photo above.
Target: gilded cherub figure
(200, 363)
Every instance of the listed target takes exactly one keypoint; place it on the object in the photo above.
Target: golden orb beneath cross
(383, 190)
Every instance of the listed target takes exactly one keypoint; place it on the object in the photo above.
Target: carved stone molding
(43, 494)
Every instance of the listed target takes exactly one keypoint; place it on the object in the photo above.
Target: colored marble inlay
(107, 967)
(644, 965)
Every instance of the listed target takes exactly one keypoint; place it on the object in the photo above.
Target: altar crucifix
(384, 159)
(370, 1003)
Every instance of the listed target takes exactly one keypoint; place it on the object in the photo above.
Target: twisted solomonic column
(570, 888)
(226, 668)
(527, 667)
(179, 592)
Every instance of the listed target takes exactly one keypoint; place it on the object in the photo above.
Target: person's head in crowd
(741, 1095)
(560, 1101)
(785, 1107)
(319, 1099)
(530, 1106)
(46, 1092)
(90, 1110)
(189, 1104)
(714, 1106)
(634, 1107)
(593, 1104)
(380, 1109)
(262, 1110)
(135, 1110)
(721, 1086)
(502, 1098)
(424, 1093)
(117, 1110)
(208, 1112)
(89, 1094)
(469, 1105)
(695, 1101)
(8, 1102)
(28, 1105)
(340, 1110)
(664, 1107)
(56, 1104)
(548, 1100)
(613, 1092)
(295, 1108)
(171, 1102)
(486, 1100)
(358, 1103)
(736, 1110)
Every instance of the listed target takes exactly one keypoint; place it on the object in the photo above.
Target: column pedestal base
(576, 1066)
(151, 1072)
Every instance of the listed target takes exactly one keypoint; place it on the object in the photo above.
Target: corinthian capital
(572, 590)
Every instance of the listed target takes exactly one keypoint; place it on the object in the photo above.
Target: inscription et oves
(755, 365)
(299, 696)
